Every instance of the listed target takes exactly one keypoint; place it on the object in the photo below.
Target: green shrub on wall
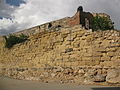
(11, 40)
(102, 23)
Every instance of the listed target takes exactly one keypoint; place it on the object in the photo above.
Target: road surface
(12, 84)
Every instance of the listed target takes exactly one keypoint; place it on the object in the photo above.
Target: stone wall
(89, 17)
(44, 27)
(78, 19)
(75, 20)
(54, 25)
(70, 54)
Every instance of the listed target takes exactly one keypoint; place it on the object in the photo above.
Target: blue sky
(15, 2)
(17, 15)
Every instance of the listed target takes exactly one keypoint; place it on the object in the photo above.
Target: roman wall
(77, 19)
(68, 55)
(63, 51)
(55, 25)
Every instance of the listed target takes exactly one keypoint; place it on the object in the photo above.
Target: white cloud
(5, 9)
(36, 12)
(6, 24)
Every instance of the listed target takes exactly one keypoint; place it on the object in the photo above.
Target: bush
(102, 23)
(11, 40)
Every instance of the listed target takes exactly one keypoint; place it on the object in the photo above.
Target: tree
(11, 40)
(102, 23)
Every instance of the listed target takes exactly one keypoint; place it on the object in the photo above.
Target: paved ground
(12, 84)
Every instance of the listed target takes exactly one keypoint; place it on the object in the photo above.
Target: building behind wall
(81, 17)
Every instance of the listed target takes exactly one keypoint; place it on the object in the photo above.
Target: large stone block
(80, 33)
(96, 54)
(115, 58)
(86, 58)
(100, 49)
(87, 55)
(98, 58)
(111, 49)
(105, 58)
(110, 64)
(88, 63)
(99, 78)
(113, 76)
(110, 54)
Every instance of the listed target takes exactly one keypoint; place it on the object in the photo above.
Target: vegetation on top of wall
(102, 23)
(11, 40)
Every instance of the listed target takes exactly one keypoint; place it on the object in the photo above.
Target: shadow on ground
(107, 88)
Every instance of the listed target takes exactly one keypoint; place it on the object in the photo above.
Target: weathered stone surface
(89, 76)
(99, 78)
(81, 71)
(58, 69)
(53, 75)
(68, 50)
(68, 71)
(113, 76)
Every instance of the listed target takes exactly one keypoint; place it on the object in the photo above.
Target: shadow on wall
(107, 88)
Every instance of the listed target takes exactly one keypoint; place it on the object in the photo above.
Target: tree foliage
(11, 40)
(102, 23)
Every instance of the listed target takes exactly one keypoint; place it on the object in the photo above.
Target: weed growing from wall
(11, 40)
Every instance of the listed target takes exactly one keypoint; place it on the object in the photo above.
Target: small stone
(88, 81)
(61, 82)
(81, 71)
(91, 72)
(53, 75)
(58, 69)
(46, 74)
(46, 81)
(99, 78)
(68, 50)
(68, 71)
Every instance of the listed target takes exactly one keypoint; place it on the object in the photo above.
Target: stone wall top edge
(29, 29)
(47, 23)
